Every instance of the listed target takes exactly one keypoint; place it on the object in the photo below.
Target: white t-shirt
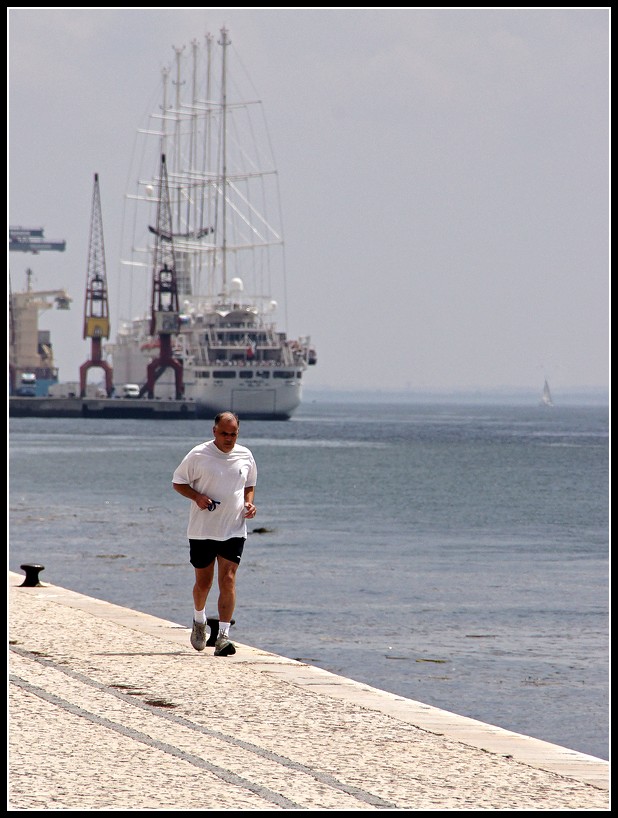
(221, 477)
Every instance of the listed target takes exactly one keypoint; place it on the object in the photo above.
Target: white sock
(224, 628)
(199, 616)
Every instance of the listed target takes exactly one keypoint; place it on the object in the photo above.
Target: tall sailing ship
(222, 189)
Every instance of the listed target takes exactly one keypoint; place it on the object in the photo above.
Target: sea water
(457, 555)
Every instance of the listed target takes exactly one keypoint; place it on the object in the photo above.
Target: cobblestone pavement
(112, 709)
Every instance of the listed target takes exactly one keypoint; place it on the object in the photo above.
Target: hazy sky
(444, 174)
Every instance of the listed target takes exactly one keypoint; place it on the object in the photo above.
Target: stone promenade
(112, 709)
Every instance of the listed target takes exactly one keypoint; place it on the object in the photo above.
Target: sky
(444, 177)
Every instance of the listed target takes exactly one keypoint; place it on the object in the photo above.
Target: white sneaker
(223, 646)
(198, 635)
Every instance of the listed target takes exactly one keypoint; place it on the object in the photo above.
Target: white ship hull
(260, 403)
(253, 391)
(251, 400)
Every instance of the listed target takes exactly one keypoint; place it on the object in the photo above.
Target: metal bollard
(32, 575)
(213, 624)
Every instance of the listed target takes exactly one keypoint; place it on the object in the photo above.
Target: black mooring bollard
(32, 575)
(213, 624)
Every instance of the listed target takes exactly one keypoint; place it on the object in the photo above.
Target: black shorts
(203, 552)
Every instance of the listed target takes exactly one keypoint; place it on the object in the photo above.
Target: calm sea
(453, 554)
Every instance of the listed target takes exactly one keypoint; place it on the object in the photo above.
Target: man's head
(225, 431)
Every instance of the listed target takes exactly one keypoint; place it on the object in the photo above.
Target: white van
(27, 385)
(130, 390)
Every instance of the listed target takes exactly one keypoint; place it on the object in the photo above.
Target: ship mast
(96, 308)
(224, 42)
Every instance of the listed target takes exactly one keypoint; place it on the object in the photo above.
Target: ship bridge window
(278, 373)
(224, 373)
(245, 373)
(204, 374)
(263, 373)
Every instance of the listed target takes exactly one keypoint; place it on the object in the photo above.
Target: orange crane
(96, 309)
(165, 314)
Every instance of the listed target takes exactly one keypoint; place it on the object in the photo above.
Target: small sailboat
(546, 399)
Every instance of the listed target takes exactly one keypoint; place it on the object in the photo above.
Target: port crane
(165, 314)
(32, 240)
(96, 308)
